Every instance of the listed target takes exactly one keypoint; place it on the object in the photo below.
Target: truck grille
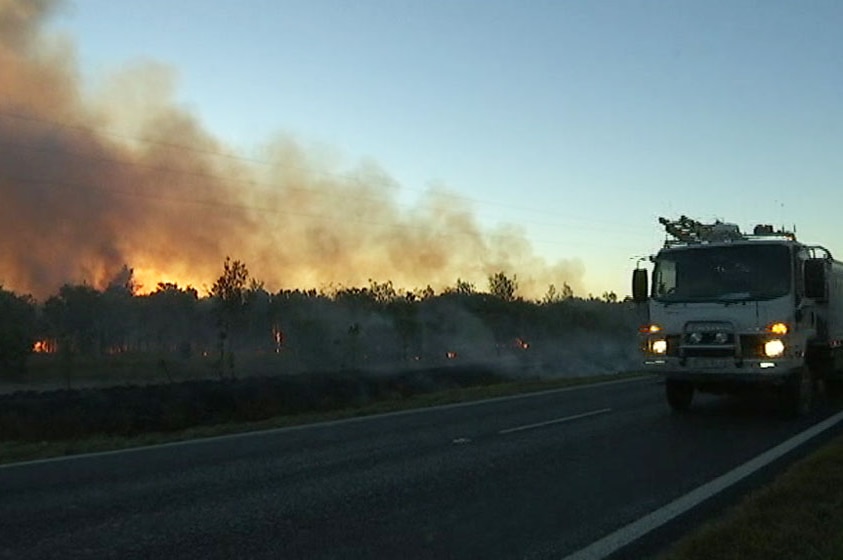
(719, 352)
(751, 347)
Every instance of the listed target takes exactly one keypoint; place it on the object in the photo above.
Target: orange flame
(45, 346)
(278, 337)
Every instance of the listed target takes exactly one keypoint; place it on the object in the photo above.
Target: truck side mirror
(640, 287)
(815, 279)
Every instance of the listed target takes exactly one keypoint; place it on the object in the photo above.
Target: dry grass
(11, 451)
(797, 517)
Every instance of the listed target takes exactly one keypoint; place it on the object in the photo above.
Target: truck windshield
(725, 274)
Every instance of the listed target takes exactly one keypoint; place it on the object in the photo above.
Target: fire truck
(727, 312)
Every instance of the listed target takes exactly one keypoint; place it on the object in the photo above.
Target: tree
(17, 331)
(551, 296)
(117, 312)
(460, 288)
(229, 292)
(230, 288)
(261, 326)
(464, 287)
(169, 318)
(74, 317)
(404, 312)
(503, 287)
(424, 294)
(382, 293)
(124, 281)
(610, 297)
(354, 298)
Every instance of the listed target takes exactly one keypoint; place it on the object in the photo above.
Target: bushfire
(45, 346)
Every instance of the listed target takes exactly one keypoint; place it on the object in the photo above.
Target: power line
(484, 236)
(344, 176)
(222, 180)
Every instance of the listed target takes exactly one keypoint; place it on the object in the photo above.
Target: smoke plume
(92, 182)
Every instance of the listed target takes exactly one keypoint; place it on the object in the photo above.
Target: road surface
(530, 477)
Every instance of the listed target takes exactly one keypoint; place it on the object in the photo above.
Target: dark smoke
(90, 184)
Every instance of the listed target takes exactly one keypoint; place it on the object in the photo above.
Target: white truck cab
(729, 312)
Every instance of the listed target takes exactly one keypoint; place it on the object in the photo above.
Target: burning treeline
(249, 331)
(290, 352)
(93, 181)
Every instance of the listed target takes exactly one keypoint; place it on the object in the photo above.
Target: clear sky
(580, 121)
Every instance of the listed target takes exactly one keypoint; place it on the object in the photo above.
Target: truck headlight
(773, 348)
(659, 346)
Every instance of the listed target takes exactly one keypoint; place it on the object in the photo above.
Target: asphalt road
(531, 477)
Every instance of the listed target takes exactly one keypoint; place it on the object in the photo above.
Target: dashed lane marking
(555, 421)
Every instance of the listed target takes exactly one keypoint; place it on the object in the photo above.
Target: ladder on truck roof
(686, 230)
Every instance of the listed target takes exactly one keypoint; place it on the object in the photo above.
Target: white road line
(625, 535)
(555, 421)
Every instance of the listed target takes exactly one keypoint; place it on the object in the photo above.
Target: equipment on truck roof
(686, 230)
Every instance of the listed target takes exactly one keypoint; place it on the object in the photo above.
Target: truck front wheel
(679, 394)
(834, 388)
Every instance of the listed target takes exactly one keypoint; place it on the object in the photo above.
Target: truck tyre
(679, 394)
(797, 395)
(834, 388)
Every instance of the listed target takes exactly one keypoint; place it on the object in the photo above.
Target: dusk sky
(579, 121)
